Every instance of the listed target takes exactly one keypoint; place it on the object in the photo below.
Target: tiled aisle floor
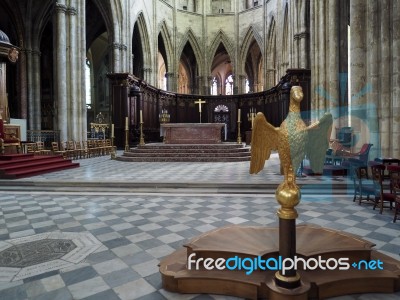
(138, 229)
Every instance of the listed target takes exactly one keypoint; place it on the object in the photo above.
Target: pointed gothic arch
(190, 38)
(251, 58)
(110, 21)
(221, 38)
(163, 32)
(271, 68)
(141, 37)
(285, 41)
(251, 35)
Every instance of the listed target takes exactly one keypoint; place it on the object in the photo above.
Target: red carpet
(13, 166)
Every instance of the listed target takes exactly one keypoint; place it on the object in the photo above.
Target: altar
(191, 133)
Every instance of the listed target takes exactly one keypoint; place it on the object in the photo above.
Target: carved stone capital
(60, 8)
(72, 11)
(300, 35)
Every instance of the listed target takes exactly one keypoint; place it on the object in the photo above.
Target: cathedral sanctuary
(127, 128)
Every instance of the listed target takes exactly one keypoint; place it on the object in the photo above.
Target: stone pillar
(82, 62)
(31, 105)
(322, 80)
(395, 78)
(373, 77)
(124, 62)
(332, 69)
(23, 85)
(357, 66)
(385, 82)
(3, 93)
(61, 80)
(207, 85)
(37, 107)
(270, 74)
(73, 72)
(116, 56)
(303, 38)
(171, 81)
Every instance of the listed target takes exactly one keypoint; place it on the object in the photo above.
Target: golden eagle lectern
(293, 140)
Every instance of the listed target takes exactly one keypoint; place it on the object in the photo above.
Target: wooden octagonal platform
(251, 241)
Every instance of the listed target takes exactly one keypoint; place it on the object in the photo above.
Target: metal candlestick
(126, 139)
(141, 141)
(113, 151)
(239, 137)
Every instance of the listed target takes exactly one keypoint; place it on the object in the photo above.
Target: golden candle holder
(164, 116)
(126, 139)
(251, 116)
(113, 151)
(239, 137)
(141, 141)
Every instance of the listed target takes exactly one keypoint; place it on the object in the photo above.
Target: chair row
(83, 149)
(378, 191)
(36, 148)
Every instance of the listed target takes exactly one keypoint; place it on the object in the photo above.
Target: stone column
(116, 56)
(61, 79)
(82, 63)
(37, 107)
(171, 81)
(23, 84)
(3, 87)
(301, 38)
(270, 74)
(357, 65)
(322, 80)
(395, 77)
(373, 76)
(332, 70)
(73, 73)
(385, 82)
(207, 85)
(31, 105)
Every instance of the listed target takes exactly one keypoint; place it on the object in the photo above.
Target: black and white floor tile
(126, 233)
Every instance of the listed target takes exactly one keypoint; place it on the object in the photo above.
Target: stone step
(185, 154)
(188, 150)
(192, 146)
(183, 159)
(159, 152)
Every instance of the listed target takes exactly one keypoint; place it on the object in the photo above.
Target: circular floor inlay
(29, 256)
(33, 253)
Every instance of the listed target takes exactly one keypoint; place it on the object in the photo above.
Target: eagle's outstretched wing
(318, 143)
(264, 138)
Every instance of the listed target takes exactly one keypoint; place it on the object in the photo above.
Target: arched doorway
(222, 115)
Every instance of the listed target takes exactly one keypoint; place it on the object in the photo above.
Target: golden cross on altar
(199, 102)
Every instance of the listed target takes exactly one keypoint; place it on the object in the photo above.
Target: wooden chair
(80, 150)
(91, 149)
(397, 204)
(363, 188)
(395, 190)
(56, 149)
(31, 148)
(41, 149)
(394, 172)
(70, 149)
(380, 196)
(7, 140)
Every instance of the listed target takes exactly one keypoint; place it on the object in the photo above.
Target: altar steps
(158, 152)
(15, 166)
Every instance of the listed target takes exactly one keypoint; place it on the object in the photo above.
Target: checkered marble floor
(138, 229)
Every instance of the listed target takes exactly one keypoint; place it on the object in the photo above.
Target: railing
(46, 136)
